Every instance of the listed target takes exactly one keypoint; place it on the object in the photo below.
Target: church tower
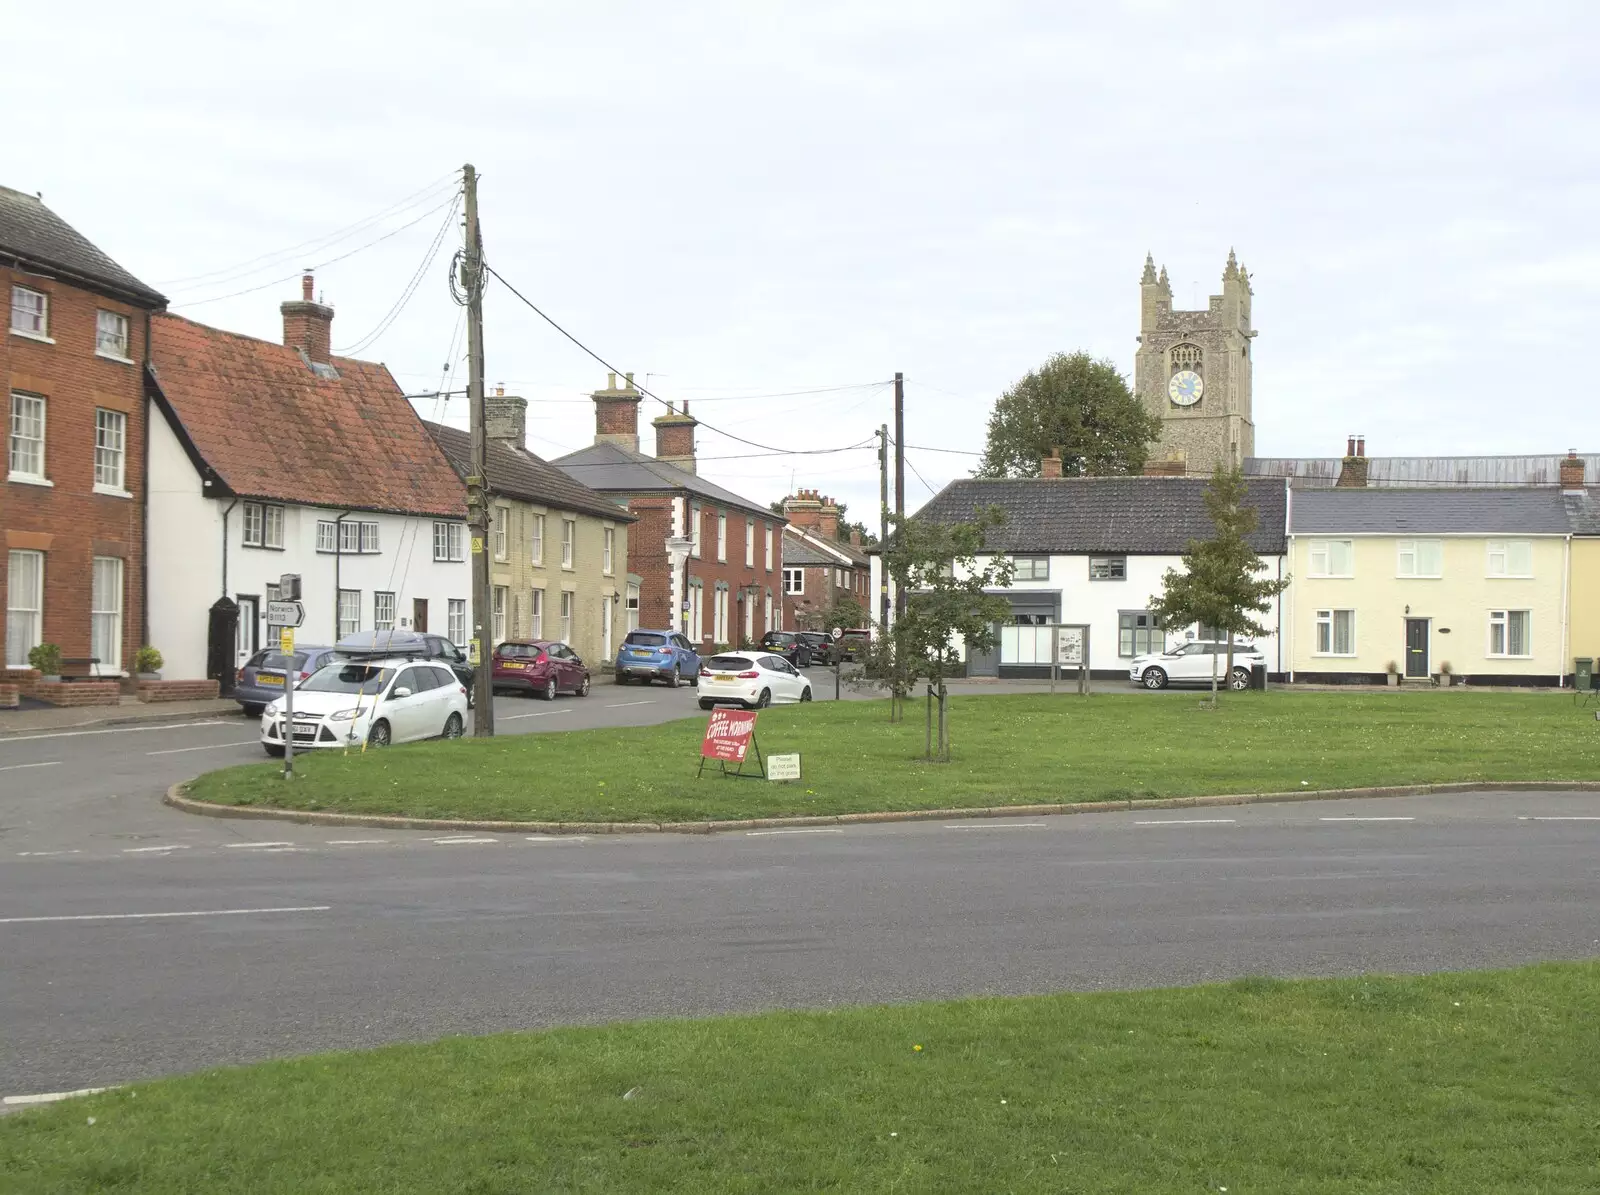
(1192, 372)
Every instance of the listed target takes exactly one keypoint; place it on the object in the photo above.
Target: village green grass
(1453, 1083)
(1008, 750)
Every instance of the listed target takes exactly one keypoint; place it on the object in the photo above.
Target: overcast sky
(751, 199)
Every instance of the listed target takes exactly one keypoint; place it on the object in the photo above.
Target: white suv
(371, 700)
(1191, 663)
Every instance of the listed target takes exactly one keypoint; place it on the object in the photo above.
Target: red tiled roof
(271, 428)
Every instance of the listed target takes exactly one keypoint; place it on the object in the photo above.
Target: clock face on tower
(1185, 388)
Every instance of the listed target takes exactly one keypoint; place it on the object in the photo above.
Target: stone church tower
(1192, 371)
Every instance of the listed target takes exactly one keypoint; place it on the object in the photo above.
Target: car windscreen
(348, 678)
(645, 639)
(729, 663)
(276, 659)
(518, 651)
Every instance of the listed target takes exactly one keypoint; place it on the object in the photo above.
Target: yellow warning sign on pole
(286, 640)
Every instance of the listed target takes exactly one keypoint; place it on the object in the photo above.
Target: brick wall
(67, 520)
(647, 559)
(74, 693)
(10, 696)
(177, 690)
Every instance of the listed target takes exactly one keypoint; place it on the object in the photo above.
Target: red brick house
(818, 567)
(72, 504)
(729, 588)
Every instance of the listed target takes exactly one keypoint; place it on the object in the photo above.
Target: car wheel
(805, 693)
(1154, 678)
(549, 690)
(253, 711)
(378, 736)
(1239, 679)
(622, 678)
(583, 687)
(676, 679)
(452, 727)
(706, 703)
(764, 700)
(274, 750)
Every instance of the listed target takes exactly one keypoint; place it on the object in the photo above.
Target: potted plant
(46, 659)
(1393, 670)
(147, 663)
(1446, 676)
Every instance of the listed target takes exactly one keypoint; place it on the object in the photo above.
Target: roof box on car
(382, 643)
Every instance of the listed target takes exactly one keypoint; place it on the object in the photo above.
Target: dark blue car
(657, 655)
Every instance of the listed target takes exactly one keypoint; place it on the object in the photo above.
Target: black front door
(1416, 647)
(222, 644)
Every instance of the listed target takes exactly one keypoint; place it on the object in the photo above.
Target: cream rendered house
(1473, 582)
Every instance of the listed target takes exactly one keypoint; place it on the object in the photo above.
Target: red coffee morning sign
(728, 735)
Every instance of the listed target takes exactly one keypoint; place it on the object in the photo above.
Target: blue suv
(657, 655)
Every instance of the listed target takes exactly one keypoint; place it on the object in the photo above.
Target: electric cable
(410, 288)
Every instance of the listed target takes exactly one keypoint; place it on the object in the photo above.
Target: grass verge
(1453, 1083)
(1009, 750)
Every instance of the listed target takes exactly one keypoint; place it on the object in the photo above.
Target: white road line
(356, 841)
(17, 767)
(622, 705)
(254, 846)
(1001, 826)
(43, 854)
(207, 747)
(146, 916)
(1574, 818)
(462, 840)
(1366, 819)
(557, 837)
(145, 850)
(72, 734)
(49, 1097)
(540, 714)
(770, 833)
(1191, 821)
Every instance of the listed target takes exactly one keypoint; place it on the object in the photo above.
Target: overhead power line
(410, 288)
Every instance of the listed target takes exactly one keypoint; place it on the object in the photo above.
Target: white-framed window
(722, 539)
(27, 437)
(30, 312)
(382, 611)
(447, 542)
(569, 541)
(766, 618)
(536, 540)
(502, 546)
(536, 614)
(1510, 633)
(24, 604)
(608, 543)
(369, 537)
(111, 335)
(349, 538)
(262, 525)
(251, 524)
(1511, 558)
(749, 543)
(327, 536)
(769, 547)
(455, 620)
(1336, 632)
(105, 615)
(1419, 558)
(631, 608)
(497, 608)
(349, 612)
(794, 580)
(1332, 558)
(566, 615)
(1108, 568)
(110, 450)
(694, 531)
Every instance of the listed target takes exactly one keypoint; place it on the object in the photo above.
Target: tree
(1223, 583)
(1076, 404)
(936, 566)
(845, 612)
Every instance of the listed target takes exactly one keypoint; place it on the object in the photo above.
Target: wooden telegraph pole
(477, 497)
(899, 466)
(883, 527)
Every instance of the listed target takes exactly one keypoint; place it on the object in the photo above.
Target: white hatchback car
(1191, 663)
(753, 680)
(376, 701)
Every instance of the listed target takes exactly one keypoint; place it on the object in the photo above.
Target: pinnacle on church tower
(1149, 270)
(1231, 270)
(1163, 279)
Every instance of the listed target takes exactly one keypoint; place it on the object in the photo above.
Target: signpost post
(287, 613)
(838, 651)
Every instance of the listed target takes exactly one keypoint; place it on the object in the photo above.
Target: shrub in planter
(1446, 674)
(147, 663)
(1393, 670)
(46, 659)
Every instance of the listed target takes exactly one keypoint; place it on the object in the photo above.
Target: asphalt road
(212, 942)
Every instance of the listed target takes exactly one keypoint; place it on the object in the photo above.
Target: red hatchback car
(540, 667)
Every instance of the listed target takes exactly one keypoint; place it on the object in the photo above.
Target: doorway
(984, 662)
(1417, 647)
(222, 643)
(419, 615)
(249, 625)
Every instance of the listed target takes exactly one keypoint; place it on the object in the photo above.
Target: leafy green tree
(1223, 582)
(1076, 404)
(845, 612)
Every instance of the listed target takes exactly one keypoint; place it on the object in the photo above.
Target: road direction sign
(285, 614)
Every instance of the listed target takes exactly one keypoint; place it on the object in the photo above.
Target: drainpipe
(225, 515)
(144, 496)
(338, 571)
(1566, 591)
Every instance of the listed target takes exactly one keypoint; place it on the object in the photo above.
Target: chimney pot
(307, 284)
(627, 380)
(1361, 446)
(1350, 446)
(500, 391)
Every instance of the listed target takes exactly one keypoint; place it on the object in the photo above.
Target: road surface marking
(72, 734)
(622, 705)
(557, 837)
(463, 839)
(254, 846)
(145, 850)
(207, 747)
(42, 854)
(540, 714)
(1574, 818)
(1191, 821)
(16, 767)
(1366, 819)
(145, 916)
(1002, 826)
(49, 1097)
(356, 841)
(770, 833)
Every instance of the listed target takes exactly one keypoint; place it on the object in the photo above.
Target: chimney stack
(616, 413)
(1353, 471)
(307, 325)
(855, 537)
(828, 519)
(1572, 472)
(505, 419)
(804, 509)
(1050, 466)
(675, 436)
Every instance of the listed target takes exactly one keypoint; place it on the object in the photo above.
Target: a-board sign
(783, 767)
(728, 735)
(1069, 648)
(285, 614)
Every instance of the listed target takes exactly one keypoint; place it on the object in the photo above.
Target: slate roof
(1583, 512)
(801, 546)
(523, 475)
(1464, 511)
(1124, 515)
(35, 237)
(612, 469)
(255, 416)
(1404, 471)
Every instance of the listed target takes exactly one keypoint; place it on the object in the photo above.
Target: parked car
(540, 666)
(657, 655)
(1190, 664)
(788, 645)
(821, 646)
(753, 680)
(260, 679)
(856, 645)
(417, 644)
(376, 700)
